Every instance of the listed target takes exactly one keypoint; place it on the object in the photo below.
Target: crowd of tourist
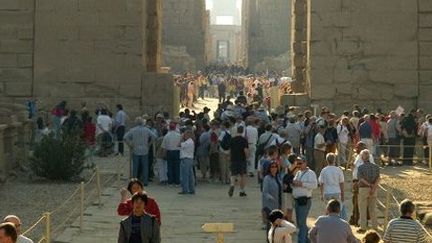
(222, 81)
(290, 152)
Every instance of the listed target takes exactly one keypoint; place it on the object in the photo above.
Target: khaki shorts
(288, 201)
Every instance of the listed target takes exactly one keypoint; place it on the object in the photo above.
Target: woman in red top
(125, 206)
(376, 134)
(89, 131)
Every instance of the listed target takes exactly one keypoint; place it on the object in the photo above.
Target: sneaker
(231, 191)
(182, 193)
(242, 194)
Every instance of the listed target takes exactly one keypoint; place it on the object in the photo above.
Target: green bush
(59, 158)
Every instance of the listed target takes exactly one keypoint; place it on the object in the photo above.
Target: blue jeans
(140, 162)
(302, 213)
(187, 176)
(173, 162)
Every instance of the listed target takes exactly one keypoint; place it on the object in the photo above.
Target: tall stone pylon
(152, 18)
(299, 44)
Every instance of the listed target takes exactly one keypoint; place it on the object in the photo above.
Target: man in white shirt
(252, 137)
(120, 126)
(294, 131)
(305, 181)
(319, 150)
(331, 182)
(103, 123)
(187, 148)
(17, 222)
(343, 138)
(281, 230)
(170, 144)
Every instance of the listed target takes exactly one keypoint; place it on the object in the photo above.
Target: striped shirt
(404, 230)
(138, 138)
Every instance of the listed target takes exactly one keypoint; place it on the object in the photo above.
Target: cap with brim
(301, 157)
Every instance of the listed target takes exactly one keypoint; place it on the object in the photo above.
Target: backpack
(261, 147)
(279, 145)
(226, 141)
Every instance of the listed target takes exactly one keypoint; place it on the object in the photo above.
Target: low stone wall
(15, 137)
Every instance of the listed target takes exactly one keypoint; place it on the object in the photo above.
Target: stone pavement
(183, 215)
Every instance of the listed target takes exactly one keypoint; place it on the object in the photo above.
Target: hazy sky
(209, 4)
(223, 20)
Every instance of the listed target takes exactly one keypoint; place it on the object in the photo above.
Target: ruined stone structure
(267, 26)
(230, 35)
(97, 51)
(368, 52)
(184, 25)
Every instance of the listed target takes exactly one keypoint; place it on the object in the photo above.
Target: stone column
(2, 153)
(152, 14)
(24, 135)
(17, 151)
(298, 44)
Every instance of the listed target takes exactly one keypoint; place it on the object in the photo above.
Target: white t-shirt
(252, 135)
(342, 132)
(319, 139)
(171, 140)
(187, 149)
(331, 176)
(282, 234)
(23, 239)
(103, 124)
(309, 181)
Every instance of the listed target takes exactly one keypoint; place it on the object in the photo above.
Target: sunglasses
(274, 166)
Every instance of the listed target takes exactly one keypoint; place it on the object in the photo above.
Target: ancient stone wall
(88, 49)
(425, 54)
(184, 24)
(16, 48)
(270, 25)
(81, 50)
(363, 52)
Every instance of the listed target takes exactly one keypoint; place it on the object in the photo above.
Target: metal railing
(79, 196)
(391, 200)
(384, 149)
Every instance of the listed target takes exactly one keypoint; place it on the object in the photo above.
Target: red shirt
(89, 133)
(152, 208)
(376, 129)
